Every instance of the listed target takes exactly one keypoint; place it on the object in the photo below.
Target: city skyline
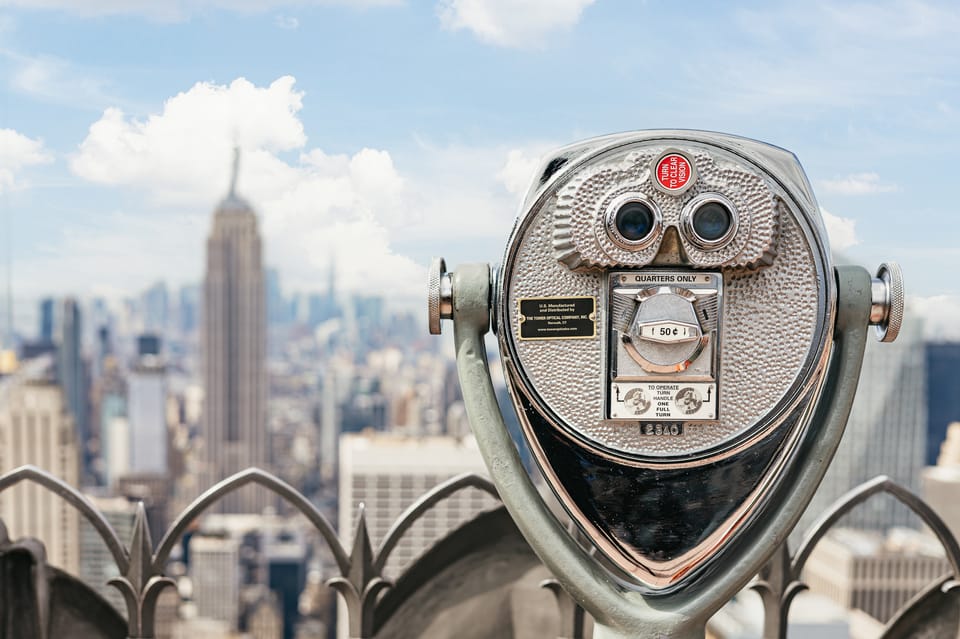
(115, 146)
(179, 320)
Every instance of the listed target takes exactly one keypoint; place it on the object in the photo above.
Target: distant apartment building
(865, 570)
(36, 427)
(147, 397)
(264, 617)
(215, 572)
(73, 376)
(811, 617)
(941, 483)
(387, 473)
(97, 565)
(885, 435)
(943, 400)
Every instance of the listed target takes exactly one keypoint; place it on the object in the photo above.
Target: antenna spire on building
(236, 170)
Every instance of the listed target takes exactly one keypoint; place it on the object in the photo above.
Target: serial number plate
(662, 430)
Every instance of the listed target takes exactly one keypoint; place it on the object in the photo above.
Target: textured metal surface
(888, 304)
(434, 276)
(480, 582)
(40, 601)
(770, 331)
(933, 614)
(580, 237)
(618, 608)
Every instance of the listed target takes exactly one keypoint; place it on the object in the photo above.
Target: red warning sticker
(674, 172)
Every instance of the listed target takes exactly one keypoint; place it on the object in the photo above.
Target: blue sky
(408, 129)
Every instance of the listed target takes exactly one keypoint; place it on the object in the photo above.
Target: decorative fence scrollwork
(779, 582)
(141, 568)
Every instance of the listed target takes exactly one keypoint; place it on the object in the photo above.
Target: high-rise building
(36, 427)
(101, 320)
(46, 319)
(323, 306)
(278, 309)
(264, 617)
(110, 404)
(215, 571)
(97, 566)
(943, 400)
(72, 375)
(941, 483)
(156, 303)
(234, 348)
(388, 472)
(285, 552)
(331, 418)
(885, 435)
(188, 308)
(147, 410)
(116, 447)
(873, 572)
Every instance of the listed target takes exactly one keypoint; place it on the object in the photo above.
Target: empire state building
(234, 349)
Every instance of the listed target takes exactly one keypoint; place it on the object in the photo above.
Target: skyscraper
(36, 428)
(189, 301)
(147, 410)
(46, 319)
(72, 376)
(885, 435)
(156, 303)
(234, 346)
(387, 472)
(943, 400)
(96, 564)
(215, 570)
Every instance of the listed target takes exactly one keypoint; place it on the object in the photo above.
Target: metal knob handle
(439, 294)
(886, 312)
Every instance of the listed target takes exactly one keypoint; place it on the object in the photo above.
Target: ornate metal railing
(361, 579)
(779, 581)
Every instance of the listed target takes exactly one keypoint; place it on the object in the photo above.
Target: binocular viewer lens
(712, 221)
(708, 221)
(635, 221)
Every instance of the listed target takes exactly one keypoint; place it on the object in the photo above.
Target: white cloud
(16, 152)
(517, 172)
(287, 22)
(57, 80)
(511, 23)
(940, 315)
(842, 231)
(857, 184)
(177, 10)
(312, 205)
(182, 155)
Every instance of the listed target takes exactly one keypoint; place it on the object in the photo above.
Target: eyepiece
(633, 222)
(709, 221)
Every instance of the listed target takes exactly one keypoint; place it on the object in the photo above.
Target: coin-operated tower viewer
(682, 355)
